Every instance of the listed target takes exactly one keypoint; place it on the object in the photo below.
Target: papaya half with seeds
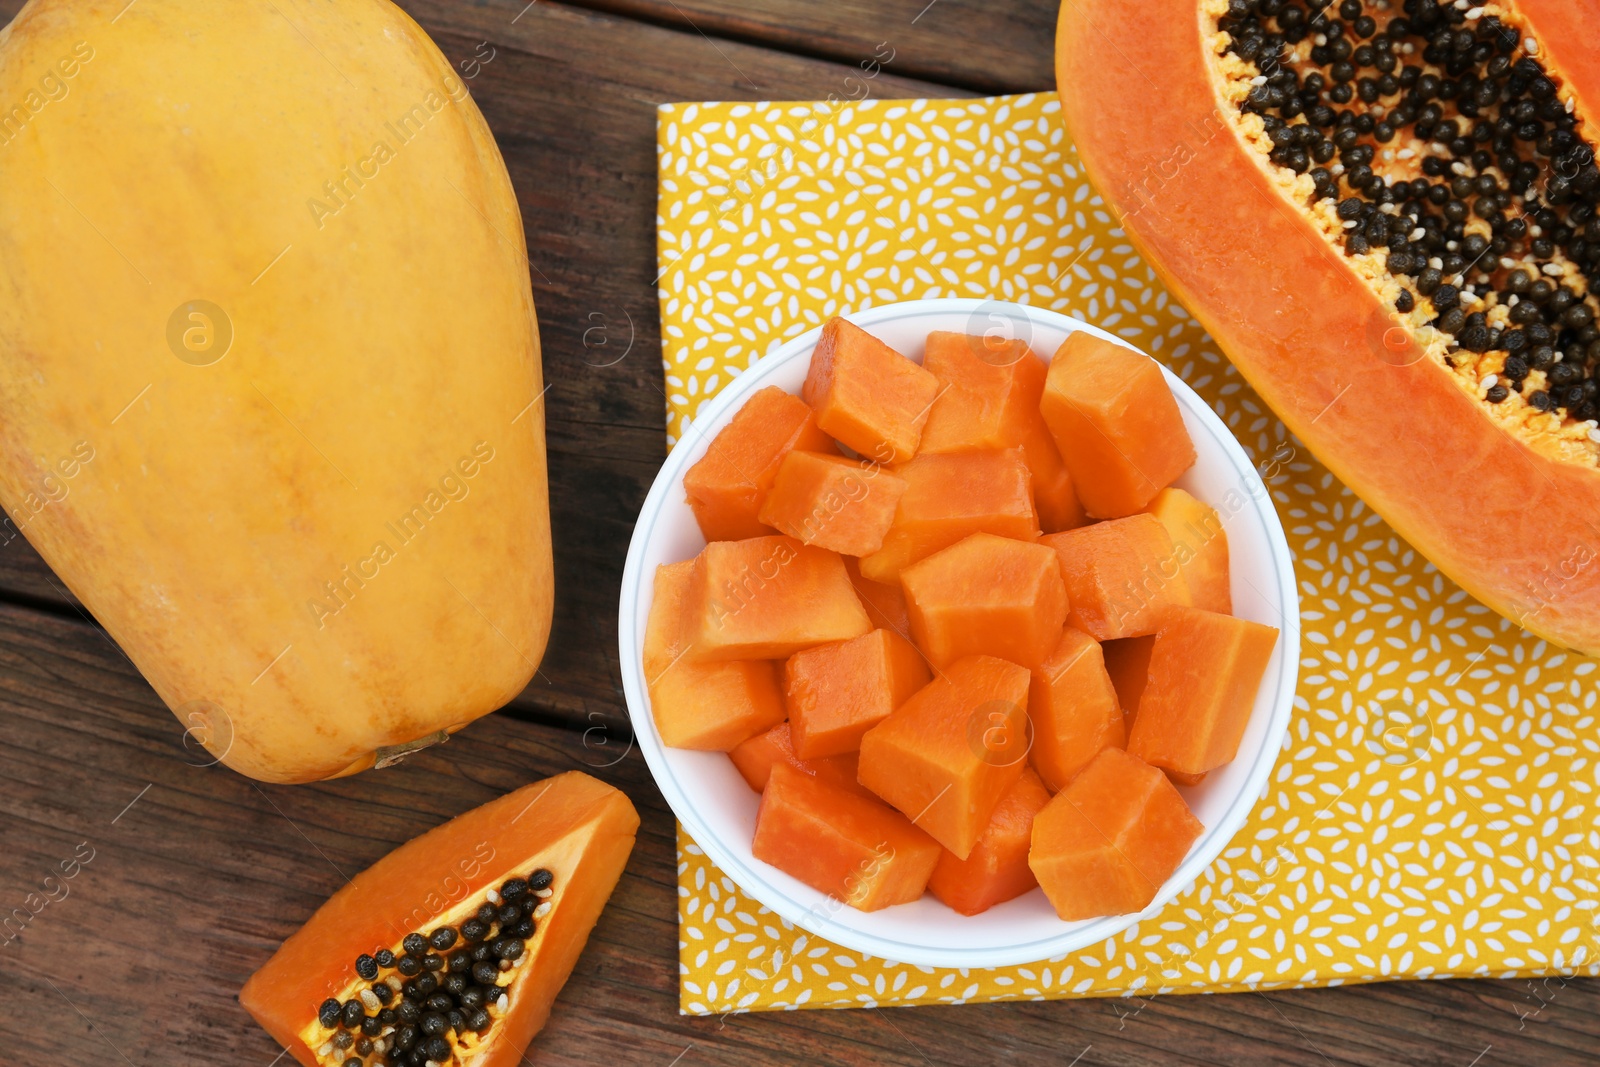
(1385, 213)
(451, 949)
(269, 370)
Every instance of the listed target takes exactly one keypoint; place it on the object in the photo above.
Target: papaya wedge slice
(1386, 216)
(487, 912)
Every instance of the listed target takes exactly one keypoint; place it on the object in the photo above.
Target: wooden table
(198, 873)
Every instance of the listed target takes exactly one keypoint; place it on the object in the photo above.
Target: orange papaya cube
(727, 485)
(1116, 423)
(767, 598)
(1105, 844)
(841, 841)
(833, 502)
(706, 706)
(987, 596)
(868, 395)
(1121, 576)
(885, 604)
(755, 758)
(1054, 496)
(950, 496)
(989, 393)
(835, 693)
(1128, 664)
(997, 869)
(1200, 545)
(1205, 669)
(1074, 710)
(946, 756)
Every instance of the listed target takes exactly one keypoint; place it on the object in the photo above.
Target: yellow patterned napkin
(1433, 812)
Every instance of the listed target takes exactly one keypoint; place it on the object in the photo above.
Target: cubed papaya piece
(1121, 576)
(835, 693)
(946, 756)
(1128, 664)
(868, 395)
(950, 496)
(885, 604)
(708, 706)
(727, 485)
(1205, 669)
(1074, 710)
(997, 869)
(1116, 423)
(1200, 545)
(987, 596)
(989, 393)
(1105, 844)
(840, 841)
(833, 502)
(990, 399)
(767, 598)
(756, 757)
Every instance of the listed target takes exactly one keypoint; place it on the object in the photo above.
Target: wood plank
(197, 874)
(971, 44)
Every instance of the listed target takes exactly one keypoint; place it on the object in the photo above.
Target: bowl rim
(1069, 936)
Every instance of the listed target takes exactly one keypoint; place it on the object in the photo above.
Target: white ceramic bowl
(719, 809)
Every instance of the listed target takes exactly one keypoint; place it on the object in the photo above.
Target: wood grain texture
(197, 874)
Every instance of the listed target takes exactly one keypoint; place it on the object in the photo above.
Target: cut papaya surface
(1386, 218)
(1121, 576)
(1074, 710)
(756, 757)
(356, 981)
(835, 693)
(833, 502)
(767, 598)
(868, 395)
(997, 868)
(1200, 546)
(987, 596)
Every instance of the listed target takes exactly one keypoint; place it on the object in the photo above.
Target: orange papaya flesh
(946, 756)
(987, 596)
(1121, 575)
(1074, 710)
(842, 842)
(756, 757)
(885, 604)
(561, 842)
(1200, 546)
(728, 484)
(1377, 376)
(833, 502)
(867, 395)
(835, 693)
(990, 399)
(767, 598)
(1115, 423)
(1105, 844)
(950, 496)
(1128, 664)
(708, 706)
(997, 868)
(1205, 669)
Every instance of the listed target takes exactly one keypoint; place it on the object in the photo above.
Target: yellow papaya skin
(270, 387)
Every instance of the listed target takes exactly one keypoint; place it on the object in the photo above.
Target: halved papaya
(833, 502)
(488, 912)
(868, 395)
(1116, 424)
(699, 705)
(767, 598)
(987, 596)
(727, 486)
(756, 757)
(1074, 710)
(1402, 286)
(843, 842)
(1200, 546)
(996, 870)
(949, 496)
